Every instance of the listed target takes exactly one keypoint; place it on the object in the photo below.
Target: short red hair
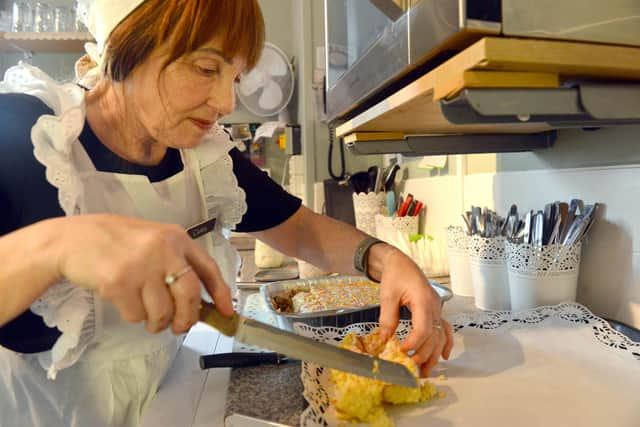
(185, 25)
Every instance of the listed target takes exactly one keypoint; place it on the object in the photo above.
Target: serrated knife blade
(260, 334)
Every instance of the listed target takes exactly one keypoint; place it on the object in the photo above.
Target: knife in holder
(241, 360)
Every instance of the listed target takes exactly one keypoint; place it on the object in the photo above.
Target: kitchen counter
(192, 397)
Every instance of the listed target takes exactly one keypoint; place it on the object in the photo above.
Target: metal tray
(339, 317)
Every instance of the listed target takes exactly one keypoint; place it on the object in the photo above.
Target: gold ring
(170, 279)
(436, 324)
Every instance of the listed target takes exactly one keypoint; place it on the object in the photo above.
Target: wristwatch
(361, 256)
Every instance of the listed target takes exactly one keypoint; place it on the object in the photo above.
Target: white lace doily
(255, 308)
(556, 365)
(315, 378)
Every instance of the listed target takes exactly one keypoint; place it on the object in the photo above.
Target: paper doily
(255, 308)
(478, 331)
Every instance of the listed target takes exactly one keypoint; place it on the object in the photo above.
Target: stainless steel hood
(610, 21)
(386, 44)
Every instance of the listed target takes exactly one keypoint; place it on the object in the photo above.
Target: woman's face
(178, 105)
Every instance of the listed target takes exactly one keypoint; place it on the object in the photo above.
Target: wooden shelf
(44, 42)
(493, 62)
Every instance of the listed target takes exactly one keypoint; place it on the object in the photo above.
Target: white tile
(440, 197)
(611, 288)
(225, 344)
(211, 408)
(212, 405)
(202, 338)
(179, 395)
(618, 188)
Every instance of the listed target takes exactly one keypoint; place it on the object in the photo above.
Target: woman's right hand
(126, 260)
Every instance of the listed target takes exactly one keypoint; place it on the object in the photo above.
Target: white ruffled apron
(104, 371)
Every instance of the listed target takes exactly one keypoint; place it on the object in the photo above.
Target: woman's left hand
(403, 283)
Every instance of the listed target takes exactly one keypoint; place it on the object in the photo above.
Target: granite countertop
(270, 393)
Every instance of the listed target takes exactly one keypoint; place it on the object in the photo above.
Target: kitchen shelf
(503, 94)
(44, 42)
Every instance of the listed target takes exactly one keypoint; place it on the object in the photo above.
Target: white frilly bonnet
(101, 17)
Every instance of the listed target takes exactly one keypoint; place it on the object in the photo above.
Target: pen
(405, 205)
(417, 209)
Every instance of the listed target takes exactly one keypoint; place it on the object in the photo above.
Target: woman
(97, 189)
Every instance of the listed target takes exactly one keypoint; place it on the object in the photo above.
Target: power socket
(293, 140)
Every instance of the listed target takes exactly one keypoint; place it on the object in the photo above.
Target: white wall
(609, 281)
(278, 28)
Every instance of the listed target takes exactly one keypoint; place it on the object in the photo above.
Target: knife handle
(212, 317)
(238, 360)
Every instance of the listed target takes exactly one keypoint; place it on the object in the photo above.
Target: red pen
(405, 205)
(417, 209)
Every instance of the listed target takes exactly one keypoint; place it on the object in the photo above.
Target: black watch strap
(360, 258)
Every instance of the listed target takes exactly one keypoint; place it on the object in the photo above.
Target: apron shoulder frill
(224, 198)
(69, 308)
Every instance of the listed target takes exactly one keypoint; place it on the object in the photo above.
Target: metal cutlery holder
(365, 207)
(489, 272)
(542, 275)
(387, 227)
(459, 272)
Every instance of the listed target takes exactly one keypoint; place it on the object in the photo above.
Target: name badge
(202, 228)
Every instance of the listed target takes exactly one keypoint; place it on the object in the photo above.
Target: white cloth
(103, 371)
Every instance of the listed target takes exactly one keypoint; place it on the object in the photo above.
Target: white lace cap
(102, 16)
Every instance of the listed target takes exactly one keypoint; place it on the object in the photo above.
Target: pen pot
(365, 207)
(388, 227)
(542, 275)
(489, 273)
(457, 253)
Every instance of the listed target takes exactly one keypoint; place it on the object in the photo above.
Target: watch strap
(361, 255)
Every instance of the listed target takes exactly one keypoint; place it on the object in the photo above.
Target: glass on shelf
(22, 18)
(6, 21)
(79, 13)
(63, 19)
(43, 17)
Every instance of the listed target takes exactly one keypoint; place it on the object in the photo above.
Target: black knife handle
(238, 360)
